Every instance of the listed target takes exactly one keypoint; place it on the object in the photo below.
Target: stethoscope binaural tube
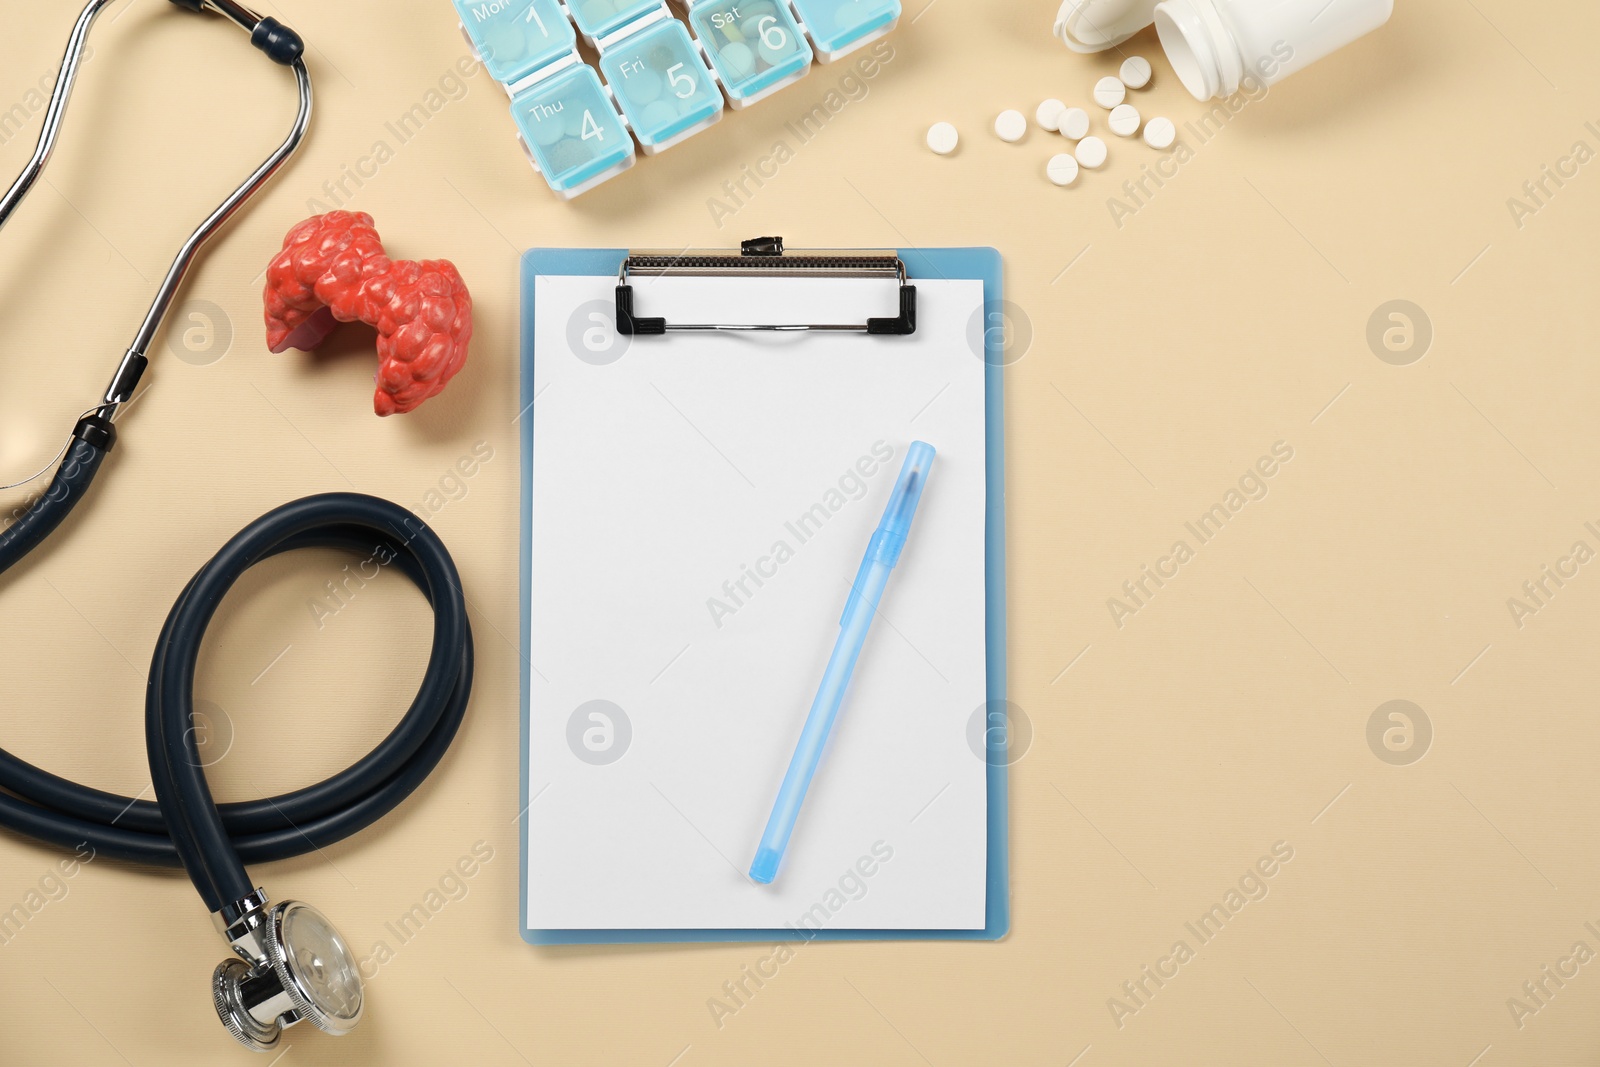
(272, 38)
(289, 965)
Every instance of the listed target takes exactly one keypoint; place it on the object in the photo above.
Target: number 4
(591, 128)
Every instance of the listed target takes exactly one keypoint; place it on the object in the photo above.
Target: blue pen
(883, 552)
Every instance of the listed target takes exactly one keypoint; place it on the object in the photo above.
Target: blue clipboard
(964, 263)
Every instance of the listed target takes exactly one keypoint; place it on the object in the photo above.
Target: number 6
(772, 34)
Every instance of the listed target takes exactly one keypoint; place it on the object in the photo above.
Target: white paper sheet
(665, 479)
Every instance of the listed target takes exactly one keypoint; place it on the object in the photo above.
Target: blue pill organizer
(755, 46)
(666, 78)
(514, 38)
(597, 19)
(571, 129)
(839, 27)
(660, 79)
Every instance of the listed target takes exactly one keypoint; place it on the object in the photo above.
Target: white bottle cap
(1096, 25)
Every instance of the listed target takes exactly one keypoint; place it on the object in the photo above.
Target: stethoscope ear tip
(281, 44)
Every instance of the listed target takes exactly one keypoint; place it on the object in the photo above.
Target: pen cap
(896, 524)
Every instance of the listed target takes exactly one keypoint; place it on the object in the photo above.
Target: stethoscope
(290, 964)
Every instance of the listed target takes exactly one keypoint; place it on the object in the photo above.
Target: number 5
(688, 81)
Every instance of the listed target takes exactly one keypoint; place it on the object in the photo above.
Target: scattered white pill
(943, 138)
(1124, 121)
(1160, 133)
(1092, 152)
(1135, 72)
(1010, 125)
(1073, 123)
(1109, 92)
(1048, 114)
(1062, 169)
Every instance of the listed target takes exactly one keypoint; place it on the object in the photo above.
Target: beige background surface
(1230, 713)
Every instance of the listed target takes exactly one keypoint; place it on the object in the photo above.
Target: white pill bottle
(1218, 47)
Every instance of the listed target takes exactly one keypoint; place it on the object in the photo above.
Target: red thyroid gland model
(333, 269)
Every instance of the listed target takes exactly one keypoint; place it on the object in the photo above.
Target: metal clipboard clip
(766, 256)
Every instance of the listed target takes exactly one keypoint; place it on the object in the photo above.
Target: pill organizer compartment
(839, 27)
(755, 46)
(662, 83)
(513, 38)
(599, 18)
(571, 130)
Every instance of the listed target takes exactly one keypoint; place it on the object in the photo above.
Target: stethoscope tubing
(184, 826)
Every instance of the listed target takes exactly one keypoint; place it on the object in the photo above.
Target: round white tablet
(1109, 92)
(1048, 114)
(1160, 133)
(1092, 152)
(1124, 120)
(1073, 123)
(1062, 169)
(943, 138)
(1010, 125)
(1135, 72)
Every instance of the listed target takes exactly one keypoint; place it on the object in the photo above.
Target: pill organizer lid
(1096, 25)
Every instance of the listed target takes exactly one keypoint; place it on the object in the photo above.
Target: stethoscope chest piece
(291, 966)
